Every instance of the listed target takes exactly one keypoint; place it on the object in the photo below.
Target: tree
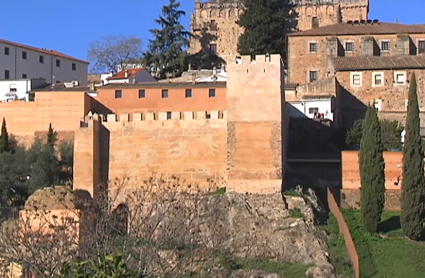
(413, 182)
(372, 175)
(4, 138)
(390, 134)
(109, 52)
(52, 137)
(166, 52)
(266, 24)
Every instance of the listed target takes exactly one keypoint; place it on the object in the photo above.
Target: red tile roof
(379, 62)
(362, 29)
(41, 50)
(121, 74)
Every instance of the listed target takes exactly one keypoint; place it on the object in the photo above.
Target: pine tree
(372, 175)
(413, 182)
(4, 138)
(166, 52)
(266, 24)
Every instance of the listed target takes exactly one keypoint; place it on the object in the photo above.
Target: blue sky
(69, 26)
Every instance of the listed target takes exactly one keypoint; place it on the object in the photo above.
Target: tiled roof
(317, 97)
(164, 85)
(362, 29)
(45, 51)
(379, 62)
(121, 74)
(61, 87)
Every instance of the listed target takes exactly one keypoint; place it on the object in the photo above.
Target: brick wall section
(350, 199)
(254, 97)
(343, 228)
(351, 174)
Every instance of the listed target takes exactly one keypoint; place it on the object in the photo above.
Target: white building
(19, 89)
(23, 61)
(217, 76)
(131, 76)
(312, 106)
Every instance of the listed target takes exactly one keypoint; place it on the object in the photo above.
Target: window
(213, 49)
(421, 46)
(385, 46)
(164, 93)
(24, 75)
(41, 59)
(349, 46)
(57, 81)
(58, 63)
(377, 79)
(13, 89)
(356, 79)
(24, 55)
(313, 110)
(377, 103)
(400, 78)
(118, 94)
(6, 74)
(211, 93)
(312, 75)
(188, 93)
(312, 47)
(315, 22)
(6, 50)
(142, 93)
(74, 66)
(169, 115)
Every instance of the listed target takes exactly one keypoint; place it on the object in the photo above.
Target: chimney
(125, 73)
(193, 78)
(92, 86)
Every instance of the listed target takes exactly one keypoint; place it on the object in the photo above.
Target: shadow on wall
(205, 58)
(294, 112)
(99, 108)
(349, 107)
(104, 143)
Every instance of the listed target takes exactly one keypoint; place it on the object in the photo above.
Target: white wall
(32, 67)
(19, 87)
(306, 106)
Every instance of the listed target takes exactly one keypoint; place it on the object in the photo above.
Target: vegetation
(266, 24)
(372, 175)
(295, 213)
(413, 182)
(4, 138)
(109, 52)
(166, 52)
(22, 171)
(387, 254)
(338, 252)
(390, 134)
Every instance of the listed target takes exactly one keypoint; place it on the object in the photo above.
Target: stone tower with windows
(214, 22)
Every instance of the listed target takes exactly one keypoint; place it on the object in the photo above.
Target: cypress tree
(372, 175)
(4, 138)
(51, 137)
(413, 182)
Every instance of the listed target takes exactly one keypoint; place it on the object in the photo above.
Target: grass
(295, 213)
(388, 254)
(338, 253)
(218, 192)
(291, 192)
(285, 269)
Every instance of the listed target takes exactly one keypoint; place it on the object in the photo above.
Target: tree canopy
(166, 54)
(266, 23)
(413, 182)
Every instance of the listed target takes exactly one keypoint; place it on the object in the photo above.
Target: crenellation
(124, 118)
(188, 115)
(137, 117)
(176, 115)
(149, 116)
(214, 115)
(111, 118)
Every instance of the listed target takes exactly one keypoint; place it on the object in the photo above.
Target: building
(358, 62)
(135, 75)
(19, 89)
(23, 61)
(313, 107)
(214, 23)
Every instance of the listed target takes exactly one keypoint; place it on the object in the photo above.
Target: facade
(22, 61)
(19, 89)
(163, 97)
(135, 75)
(313, 107)
(215, 23)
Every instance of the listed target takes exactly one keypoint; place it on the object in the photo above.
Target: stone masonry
(215, 24)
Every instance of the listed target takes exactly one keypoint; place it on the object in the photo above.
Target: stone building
(214, 22)
(359, 62)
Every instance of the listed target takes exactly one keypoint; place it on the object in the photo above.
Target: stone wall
(350, 199)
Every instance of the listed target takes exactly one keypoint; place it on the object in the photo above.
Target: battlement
(258, 59)
(353, 2)
(158, 116)
(219, 6)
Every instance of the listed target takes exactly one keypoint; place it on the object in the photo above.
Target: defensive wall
(240, 146)
(350, 193)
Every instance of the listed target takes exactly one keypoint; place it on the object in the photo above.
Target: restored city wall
(350, 193)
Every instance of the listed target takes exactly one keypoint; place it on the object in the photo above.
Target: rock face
(258, 226)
